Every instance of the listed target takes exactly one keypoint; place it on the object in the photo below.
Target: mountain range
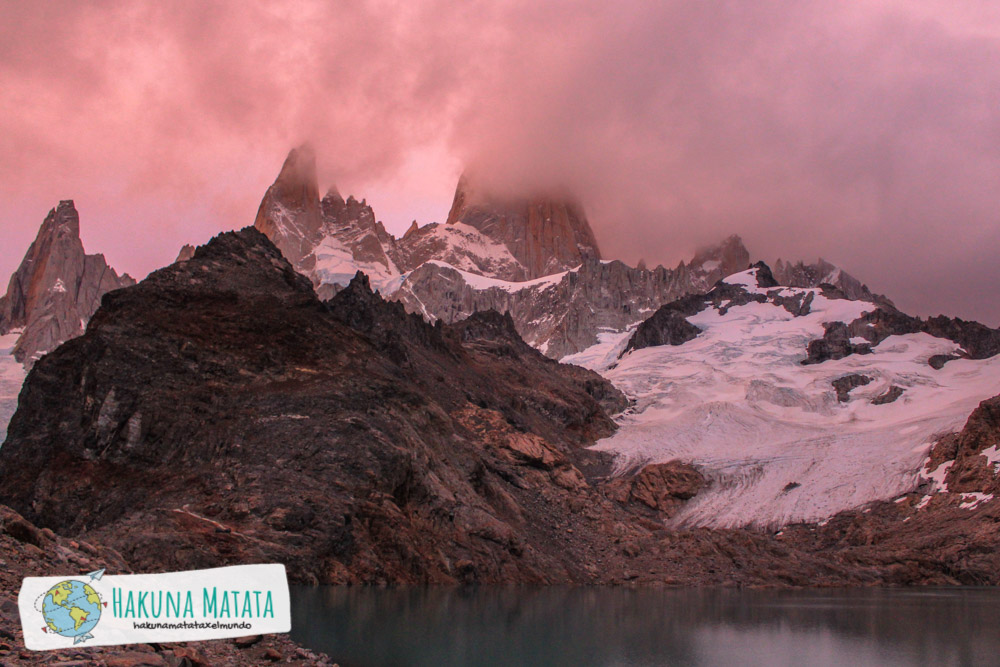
(534, 257)
(490, 400)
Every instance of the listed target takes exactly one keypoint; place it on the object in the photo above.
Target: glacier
(768, 431)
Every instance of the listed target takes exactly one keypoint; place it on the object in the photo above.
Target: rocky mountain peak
(726, 257)
(290, 212)
(186, 253)
(56, 288)
(239, 263)
(765, 278)
(326, 240)
(546, 234)
(800, 274)
(297, 178)
(333, 196)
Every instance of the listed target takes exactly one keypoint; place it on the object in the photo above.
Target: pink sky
(865, 132)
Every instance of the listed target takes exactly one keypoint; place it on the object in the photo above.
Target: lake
(371, 627)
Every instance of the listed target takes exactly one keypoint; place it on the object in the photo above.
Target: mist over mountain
(862, 134)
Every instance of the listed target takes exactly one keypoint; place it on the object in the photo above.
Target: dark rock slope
(220, 412)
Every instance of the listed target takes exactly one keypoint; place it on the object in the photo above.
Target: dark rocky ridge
(978, 340)
(801, 274)
(669, 325)
(221, 392)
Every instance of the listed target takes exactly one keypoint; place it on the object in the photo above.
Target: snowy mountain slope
(458, 245)
(767, 430)
(334, 263)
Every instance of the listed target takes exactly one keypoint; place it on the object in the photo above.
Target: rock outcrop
(844, 385)
(544, 234)
(186, 253)
(666, 327)
(822, 272)
(56, 288)
(566, 313)
(663, 487)
(971, 455)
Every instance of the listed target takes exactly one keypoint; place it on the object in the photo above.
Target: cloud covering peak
(864, 132)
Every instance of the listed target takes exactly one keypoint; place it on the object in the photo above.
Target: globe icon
(71, 609)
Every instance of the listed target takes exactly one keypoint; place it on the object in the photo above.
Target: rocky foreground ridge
(219, 412)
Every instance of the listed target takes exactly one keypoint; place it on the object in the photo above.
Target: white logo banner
(96, 609)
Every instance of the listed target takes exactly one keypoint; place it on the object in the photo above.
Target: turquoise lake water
(370, 627)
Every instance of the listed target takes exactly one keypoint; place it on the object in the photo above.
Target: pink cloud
(864, 132)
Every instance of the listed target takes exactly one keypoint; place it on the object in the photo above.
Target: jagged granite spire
(326, 240)
(545, 234)
(56, 288)
(289, 214)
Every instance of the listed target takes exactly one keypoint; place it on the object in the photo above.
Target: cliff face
(545, 235)
(326, 240)
(566, 313)
(289, 214)
(57, 287)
